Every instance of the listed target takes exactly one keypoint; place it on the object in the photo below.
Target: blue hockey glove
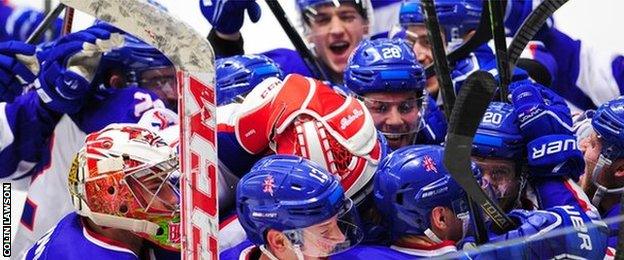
(546, 126)
(70, 65)
(18, 66)
(434, 124)
(547, 234)
(227, 16)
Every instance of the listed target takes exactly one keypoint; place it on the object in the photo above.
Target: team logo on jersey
(268, 185)
(429, 165)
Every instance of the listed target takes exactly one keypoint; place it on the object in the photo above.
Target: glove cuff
(48, 90)
(555, 155)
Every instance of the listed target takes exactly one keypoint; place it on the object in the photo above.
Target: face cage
(605, 160)
(420, 103)
(155, 186)
(506, 200)
(347, 222)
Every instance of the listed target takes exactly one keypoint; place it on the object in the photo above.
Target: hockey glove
(70, 65)
(18, 66)
(227, 16)
(547, 234)
(434, 124)
(546, 126)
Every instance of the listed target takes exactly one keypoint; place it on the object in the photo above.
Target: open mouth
(339, 47)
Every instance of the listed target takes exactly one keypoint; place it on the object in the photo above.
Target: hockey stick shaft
(530, 27)
(448, 94)
(482, 35)
(472, 102)
(439, 55)
(496, 8)
(311, 62)
(45, 24)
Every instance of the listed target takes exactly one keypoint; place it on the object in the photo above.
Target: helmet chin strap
(270, 255)
(429, 233)
(602, 190)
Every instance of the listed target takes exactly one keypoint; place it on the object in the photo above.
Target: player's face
(590, 147)
(417, 35)
(397, 115)
(161, 81)
(321, 239)
(500, 175)
(335, 32)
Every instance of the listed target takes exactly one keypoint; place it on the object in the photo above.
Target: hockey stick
(193, 59)
(530, 27)
(43, 26)
(473, 100)
(496, 8)
(440, 64)
(482, 35)
(448, 95)
(311, 62)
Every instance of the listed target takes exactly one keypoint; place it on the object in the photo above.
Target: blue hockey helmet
(238, 75)
(608, 123)
(498, 134)
(412, 181)
(384, 65)
(363, 7)
(458, 17)
(288, 193)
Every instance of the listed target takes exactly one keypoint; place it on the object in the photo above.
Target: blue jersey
(396, 252)
(70, 240)
(587, 76)
(614, 226)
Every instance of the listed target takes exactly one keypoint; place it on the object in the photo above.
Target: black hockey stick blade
(311, 62)
(482, 35)
(43, 26)
(497, 10)
(530, 27)
(472, 102)
(441, 66)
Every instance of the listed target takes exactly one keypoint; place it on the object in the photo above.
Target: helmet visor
(337, 234)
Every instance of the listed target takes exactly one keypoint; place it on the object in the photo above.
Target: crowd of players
(347, 168)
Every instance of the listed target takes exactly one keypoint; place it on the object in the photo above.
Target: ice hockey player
(77, 93)
(459, 20)
(602, 145)
(124, 187)
(292, 208)
(305, 117)
(499, 151)
(239, 74)
(335, 28)
(428, 214)
(386, 76)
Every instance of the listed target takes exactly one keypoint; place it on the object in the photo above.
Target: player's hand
(18, 66)
(546, 126)
(227, 16)
(71, 64)
(549, 233)
(540, 111)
